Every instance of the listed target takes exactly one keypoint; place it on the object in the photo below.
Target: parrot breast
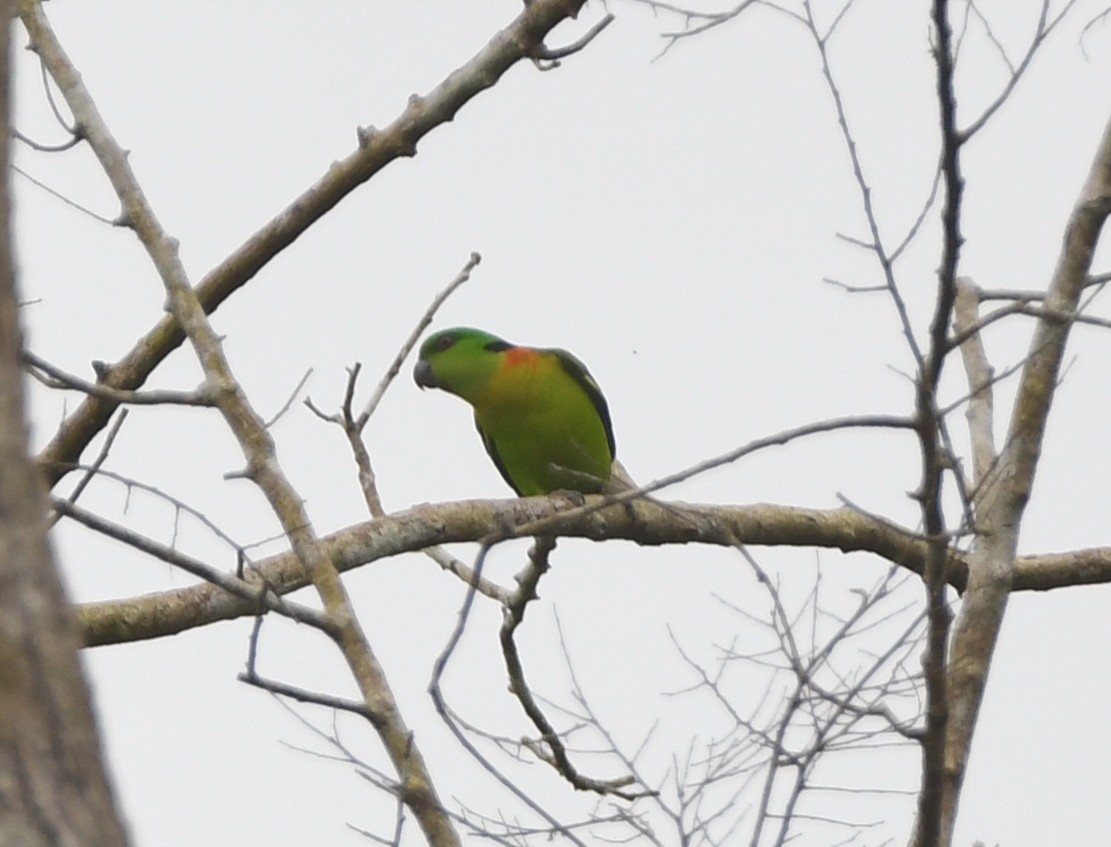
(541, 427)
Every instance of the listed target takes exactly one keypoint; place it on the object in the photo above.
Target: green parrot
(541, 415)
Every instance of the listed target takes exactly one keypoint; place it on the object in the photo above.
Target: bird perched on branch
(541, 415)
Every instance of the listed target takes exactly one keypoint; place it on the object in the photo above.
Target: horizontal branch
(645, 522)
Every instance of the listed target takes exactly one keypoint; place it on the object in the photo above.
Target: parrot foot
(573, 499)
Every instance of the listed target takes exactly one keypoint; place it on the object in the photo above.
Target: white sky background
(670, 223)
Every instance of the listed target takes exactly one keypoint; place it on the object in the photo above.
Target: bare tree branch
(993, 570)
(95, 467)
(548, 57)
(439, 701)
(928, 826)
(54, 377)
(981, 406)
(514, 617)
(1044, 27)
(462, 277)
(252, 591)
(650, 523)
(60, 196)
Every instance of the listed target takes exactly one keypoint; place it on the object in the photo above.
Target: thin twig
(439, 701)
(45, 148)
(259, 594)
(876, 244)
(303, 695)
(289, 402)
(54, 377)
(402, 354)
(353, 427)
(550, 56)
(60, 196)
(518, 686)
(94, 468)
(1041, 32)
(553, 523)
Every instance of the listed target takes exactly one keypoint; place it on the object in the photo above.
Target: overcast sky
(671, 221)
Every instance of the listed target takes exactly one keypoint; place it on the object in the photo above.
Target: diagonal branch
(1044, 27)
(258, 447)
(884, 257)
(981, 404)
(250, 589)
(993, 571)
(377, 148)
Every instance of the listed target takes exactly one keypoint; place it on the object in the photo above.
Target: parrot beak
(424, 376)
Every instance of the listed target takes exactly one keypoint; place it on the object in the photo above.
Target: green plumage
(541, 415)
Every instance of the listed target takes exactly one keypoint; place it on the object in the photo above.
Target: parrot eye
(444, 342)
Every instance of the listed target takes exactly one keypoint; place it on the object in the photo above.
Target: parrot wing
(578, 372)
(492, 452)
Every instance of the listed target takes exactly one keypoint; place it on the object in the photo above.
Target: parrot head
(458, 360)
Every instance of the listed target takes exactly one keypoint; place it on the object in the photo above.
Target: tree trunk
(53, 788)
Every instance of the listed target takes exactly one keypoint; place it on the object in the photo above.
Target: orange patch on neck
(516, 357)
